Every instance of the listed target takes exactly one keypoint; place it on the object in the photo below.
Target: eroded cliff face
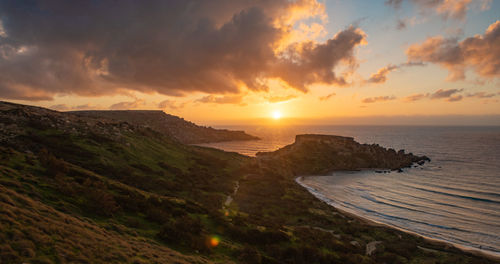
(317, 154)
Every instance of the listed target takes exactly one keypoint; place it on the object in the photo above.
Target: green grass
(136, 197)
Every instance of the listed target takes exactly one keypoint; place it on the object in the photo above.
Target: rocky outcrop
(317, 154)
(20, 123)
(184, 131)
(373, 247)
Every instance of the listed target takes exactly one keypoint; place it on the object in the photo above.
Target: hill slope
(75, 189)
(180, 129)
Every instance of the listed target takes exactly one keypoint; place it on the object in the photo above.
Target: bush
(185, 231)
(250, 255)
(53, 165)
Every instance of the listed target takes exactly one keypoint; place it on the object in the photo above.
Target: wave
(458, 195)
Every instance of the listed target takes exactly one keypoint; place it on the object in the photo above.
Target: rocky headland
(319, 154)
(182, 130)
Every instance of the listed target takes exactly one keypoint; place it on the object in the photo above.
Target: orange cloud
(450, 95)
(370, 100)
(65, 107)
(381, 75)
(171, 104)
(179, 47)
(415, 97)
(228, 99)
(127, 105)
(326, 97)
(278, 99)
(481, 53)
(482, 95)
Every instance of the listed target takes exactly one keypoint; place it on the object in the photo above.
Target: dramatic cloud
(278, 99)
(308, 63)
(481, 53)
(378, 99)
(326, 97)
(228, 99)
(171, 47)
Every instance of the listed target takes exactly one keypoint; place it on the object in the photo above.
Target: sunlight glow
(276, 114)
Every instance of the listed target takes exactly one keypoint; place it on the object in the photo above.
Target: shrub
(250, 255)
(185, 231)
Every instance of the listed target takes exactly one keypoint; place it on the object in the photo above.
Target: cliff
(318, 154)
(184, 131)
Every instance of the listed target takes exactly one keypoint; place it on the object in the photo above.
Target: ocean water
(455, 198)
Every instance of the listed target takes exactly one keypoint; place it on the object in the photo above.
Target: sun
(276, 114)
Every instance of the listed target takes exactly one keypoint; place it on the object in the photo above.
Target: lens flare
(214, 241)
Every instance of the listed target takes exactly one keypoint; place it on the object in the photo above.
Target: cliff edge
(317, 154)
(184, 131)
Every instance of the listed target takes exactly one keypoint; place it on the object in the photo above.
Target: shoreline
(467, 249)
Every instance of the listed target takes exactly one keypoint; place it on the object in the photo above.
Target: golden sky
(239, 62)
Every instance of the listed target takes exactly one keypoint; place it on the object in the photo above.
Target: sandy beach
(446, 244)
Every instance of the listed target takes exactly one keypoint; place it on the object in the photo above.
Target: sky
(244, 62)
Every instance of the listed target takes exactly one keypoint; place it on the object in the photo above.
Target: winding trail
(229, 198)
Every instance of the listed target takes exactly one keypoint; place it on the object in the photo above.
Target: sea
(454, 198)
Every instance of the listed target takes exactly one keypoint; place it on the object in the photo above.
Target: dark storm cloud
(481, 53)
(171, 47)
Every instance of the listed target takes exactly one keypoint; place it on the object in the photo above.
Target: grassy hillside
(76, 189)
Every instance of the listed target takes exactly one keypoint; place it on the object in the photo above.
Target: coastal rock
(373, 247)
(320, 154)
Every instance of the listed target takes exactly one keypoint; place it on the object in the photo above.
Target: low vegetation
(98, 191)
